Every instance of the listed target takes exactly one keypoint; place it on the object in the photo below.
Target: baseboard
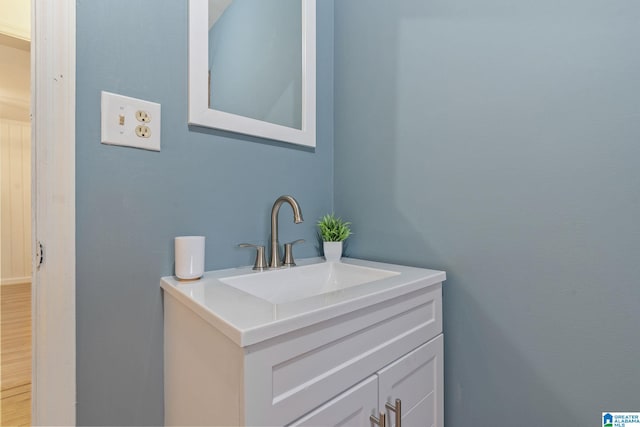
(15, 281)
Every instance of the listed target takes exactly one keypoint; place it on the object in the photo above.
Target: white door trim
(53, 99)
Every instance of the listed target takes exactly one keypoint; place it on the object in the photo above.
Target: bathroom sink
(250, 306)
(292, 284)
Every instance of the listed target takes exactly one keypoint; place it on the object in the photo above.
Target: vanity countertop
(247, 319)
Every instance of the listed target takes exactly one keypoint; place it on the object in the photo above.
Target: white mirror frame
(201, 115)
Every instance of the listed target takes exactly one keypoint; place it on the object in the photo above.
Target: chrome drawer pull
(397, 409)
(382, 421)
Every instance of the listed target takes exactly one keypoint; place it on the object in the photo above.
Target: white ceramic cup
(189, 257)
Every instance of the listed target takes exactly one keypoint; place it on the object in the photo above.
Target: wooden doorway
(52, 299)
(15, 215)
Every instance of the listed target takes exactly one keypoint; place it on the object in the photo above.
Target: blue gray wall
(131, 203)
(500, 141)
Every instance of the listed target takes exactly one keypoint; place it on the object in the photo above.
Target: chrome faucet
(275, 260)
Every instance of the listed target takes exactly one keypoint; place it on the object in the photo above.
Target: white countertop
(247, 319)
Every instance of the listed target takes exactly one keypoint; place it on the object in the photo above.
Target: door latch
(39, 254)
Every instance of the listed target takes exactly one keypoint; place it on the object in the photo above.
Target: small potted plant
(333, 231)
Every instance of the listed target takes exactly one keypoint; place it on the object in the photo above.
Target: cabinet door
(417, 380)
(351, 408)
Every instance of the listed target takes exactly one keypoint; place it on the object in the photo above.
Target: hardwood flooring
(15, 355)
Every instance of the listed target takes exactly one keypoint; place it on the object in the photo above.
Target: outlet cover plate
(120, 119)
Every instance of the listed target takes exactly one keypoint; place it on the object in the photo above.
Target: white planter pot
(332, 251)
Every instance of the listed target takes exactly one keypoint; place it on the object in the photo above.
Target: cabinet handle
(397, 409)
(382, 421)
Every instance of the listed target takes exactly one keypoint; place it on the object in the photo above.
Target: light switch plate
(130, 122)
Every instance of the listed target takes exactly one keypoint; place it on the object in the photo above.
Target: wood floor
(15, 355)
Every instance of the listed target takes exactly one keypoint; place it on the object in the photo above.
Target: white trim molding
(53, 141)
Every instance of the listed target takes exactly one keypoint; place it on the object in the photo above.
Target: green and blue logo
(621, 419)
(607, 420)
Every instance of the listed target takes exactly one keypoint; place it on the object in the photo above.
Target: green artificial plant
(333, 229)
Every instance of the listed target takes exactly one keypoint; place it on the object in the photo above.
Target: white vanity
(317, 344)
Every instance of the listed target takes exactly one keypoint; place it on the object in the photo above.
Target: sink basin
(292, 284)
(250, 307)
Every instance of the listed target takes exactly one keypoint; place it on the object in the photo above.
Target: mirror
(252, 68)
(255, 59)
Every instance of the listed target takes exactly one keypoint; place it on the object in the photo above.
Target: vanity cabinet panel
(417, 379)
(287, 377)
(351, 408)
(202, 371)
(339, 371)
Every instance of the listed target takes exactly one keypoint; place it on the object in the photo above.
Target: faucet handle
(288, 261)
(261, 261)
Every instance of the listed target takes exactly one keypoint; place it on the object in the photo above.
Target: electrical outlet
(130, 122)
(143, 131)
(143, 116)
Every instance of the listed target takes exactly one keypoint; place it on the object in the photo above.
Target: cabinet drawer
(291, 375)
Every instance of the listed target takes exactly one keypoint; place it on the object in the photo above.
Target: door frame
(53, 81)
